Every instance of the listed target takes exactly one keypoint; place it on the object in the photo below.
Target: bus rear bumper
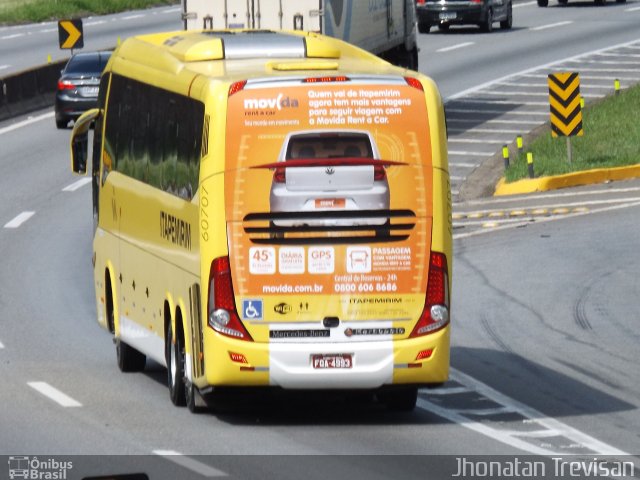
(293, 365)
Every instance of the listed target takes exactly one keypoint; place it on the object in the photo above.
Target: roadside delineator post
(505, 155)
(616, 86)
(530, 164)
(519, 143)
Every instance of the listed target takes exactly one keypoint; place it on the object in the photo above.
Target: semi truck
(386, 28)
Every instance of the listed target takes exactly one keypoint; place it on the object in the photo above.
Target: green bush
(30, 11)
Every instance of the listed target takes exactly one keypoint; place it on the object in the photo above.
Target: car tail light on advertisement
(378, 173)
(222, 314)
(436, 307)
(280, 175)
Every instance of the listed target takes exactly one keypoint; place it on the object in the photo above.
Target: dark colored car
(78, 85)
(444, 13)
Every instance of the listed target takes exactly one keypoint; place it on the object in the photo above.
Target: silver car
(330, 170)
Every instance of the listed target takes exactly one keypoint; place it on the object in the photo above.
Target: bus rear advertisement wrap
(321, 251)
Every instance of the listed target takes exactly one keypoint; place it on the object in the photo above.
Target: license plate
(89, 91)
(340, 360)
(330, 203)
(447, 15)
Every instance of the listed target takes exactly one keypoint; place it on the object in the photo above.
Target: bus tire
(129, 359)
(175, 368)
(400, 399)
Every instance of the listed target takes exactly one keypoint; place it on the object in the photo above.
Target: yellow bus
(272, 209)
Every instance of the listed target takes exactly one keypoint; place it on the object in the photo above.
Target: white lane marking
(190, 464)
(15, 35)
(632, 9)
(484, 130)
(494, 200)
(498, 112)
(47, 30)
(607, 54)
(551, 426)
(19, 220)
(504, 122)
(77, 185)
(54, 394)
(605, 69)
(171, 10)
(551, 25)
(530, 208)
(457, 236)
(465, 153)
(97, 22)
(538, 68)
(472, 140)
(131, 17)
(23, 123)
(2, 67)
(465, 165)
(1, 345)
(455, 47)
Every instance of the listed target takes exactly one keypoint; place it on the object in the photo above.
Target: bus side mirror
(80, 142)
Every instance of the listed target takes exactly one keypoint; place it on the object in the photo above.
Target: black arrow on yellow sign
(70, 34)
(564, 104)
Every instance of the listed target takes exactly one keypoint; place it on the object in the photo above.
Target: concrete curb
(575, 179)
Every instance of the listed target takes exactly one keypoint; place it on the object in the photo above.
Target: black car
(78, 85)
(444, 13)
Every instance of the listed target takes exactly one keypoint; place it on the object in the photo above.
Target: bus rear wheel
(175, 354)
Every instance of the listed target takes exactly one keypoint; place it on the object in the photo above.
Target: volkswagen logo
(330, 171)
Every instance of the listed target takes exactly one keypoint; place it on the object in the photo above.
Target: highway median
(608, 150)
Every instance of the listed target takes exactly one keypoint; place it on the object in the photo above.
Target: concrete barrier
(30, 90)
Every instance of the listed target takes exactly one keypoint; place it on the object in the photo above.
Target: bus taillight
(435, 314)
(222, 314)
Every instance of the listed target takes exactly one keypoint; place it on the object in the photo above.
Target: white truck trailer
(386, 28)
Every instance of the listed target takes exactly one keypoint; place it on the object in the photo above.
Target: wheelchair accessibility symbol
(252, 309)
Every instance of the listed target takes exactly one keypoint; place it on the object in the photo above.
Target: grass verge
(611, 139)
(32, 11)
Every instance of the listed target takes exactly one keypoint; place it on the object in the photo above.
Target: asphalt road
(26, 46)
(545, 311)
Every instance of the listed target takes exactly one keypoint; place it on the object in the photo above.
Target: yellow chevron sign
(70, 33)
(564, 104)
